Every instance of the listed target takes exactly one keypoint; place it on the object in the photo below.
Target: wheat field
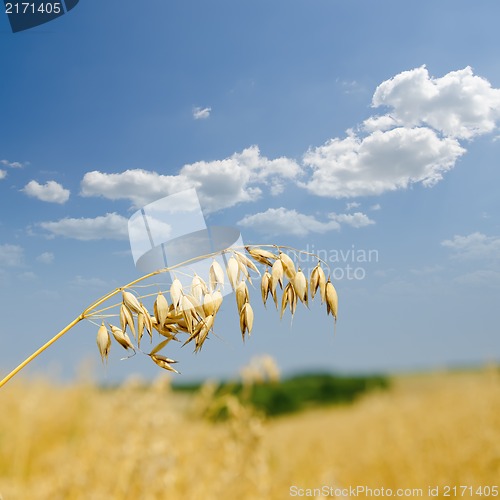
(146, 442)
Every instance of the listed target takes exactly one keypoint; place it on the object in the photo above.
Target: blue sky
(327, 125)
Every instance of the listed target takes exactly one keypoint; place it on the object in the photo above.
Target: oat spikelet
(232, 272)
(148, 322)
(161, 308)
(299, 284)
(242, 295)
(243, 259)
(130, 300)
(198, 288)
(276, 275)
(261, 256)
(217, 298)
(188, 313)
(140, 327)
(332, 300)
(289, 298)
(122, 338)
(246, 319)
(316, 281)
(288, 265)
(103, 342)
(265, 286)
(216, 275)
(208, 304)
(176, 293)
(164, 362)
(126, 319)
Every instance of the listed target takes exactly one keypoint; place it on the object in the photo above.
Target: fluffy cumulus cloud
(382, 161)
(417, 138)
(459, 104)
(3, 174)
(284, 221)
(476, 246)
(110, 226)
(201, 113)
(51, 191)
(11, 255)
(416, 141)
(219, 183)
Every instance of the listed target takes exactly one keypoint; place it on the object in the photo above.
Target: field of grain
(82, 442)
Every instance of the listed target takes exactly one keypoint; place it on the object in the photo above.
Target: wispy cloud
(11, 255)
(110, 226)
(475, 246)
(51, 191)
(285, 221)
(201, 113)
(3, 174)
(12, 164)
(45, 258)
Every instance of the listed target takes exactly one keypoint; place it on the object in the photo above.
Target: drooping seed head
(265, 286)
(261, 256)
(299, 284)
(164, 362)
(246, 319)
(276, 275)
(288, 265)
(176, 292)
(103, 342)
(242, 295)
(332, 300)
(122, 338)
(126, 319)
(216, 275)
(161, 308)
(232, 272)
(130, 300)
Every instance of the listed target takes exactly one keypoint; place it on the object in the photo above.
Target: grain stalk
(192, 311)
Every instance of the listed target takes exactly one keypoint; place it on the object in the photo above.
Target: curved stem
(91, 310)
(41, 349)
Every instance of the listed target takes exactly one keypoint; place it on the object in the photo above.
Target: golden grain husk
(103, 342)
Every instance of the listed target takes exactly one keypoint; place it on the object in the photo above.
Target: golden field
(82, 442)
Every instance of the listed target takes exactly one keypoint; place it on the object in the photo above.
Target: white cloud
(51, 191)
(350, 206)
(11, 164)
(3, 174)
(284, 221)
(380, 162)
(46, 258)
(110, 226)
(357, 219)
(81, 282)
(375, 207)
(219, 183)
(474, 246)
(11, 255)
(459, 104)
(201, 113)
